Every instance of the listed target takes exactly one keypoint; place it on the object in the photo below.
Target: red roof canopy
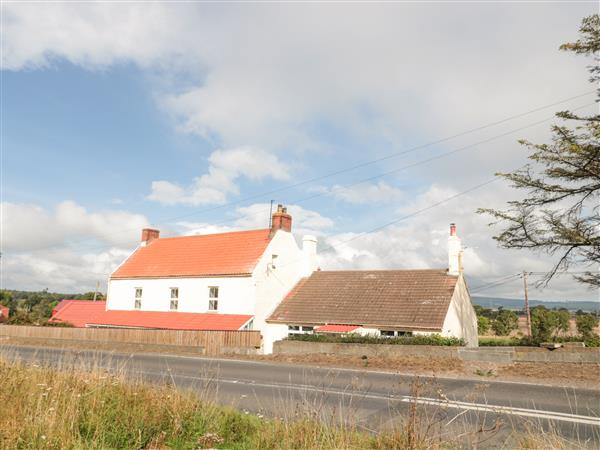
(81, 313)
(332, 328)
(77, 312)
(234, 253)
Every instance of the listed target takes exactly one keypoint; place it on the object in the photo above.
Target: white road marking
(549, 415)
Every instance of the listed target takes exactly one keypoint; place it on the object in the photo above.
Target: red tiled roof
(77, 312)
(82, 313)
(331, 328)
(234, 253)
(171, 320)
(395, 299)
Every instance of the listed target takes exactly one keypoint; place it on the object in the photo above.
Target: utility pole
(527, 304)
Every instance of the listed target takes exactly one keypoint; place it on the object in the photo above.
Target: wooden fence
(213, 342)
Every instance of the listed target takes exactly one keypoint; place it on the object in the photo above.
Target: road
(484, 412)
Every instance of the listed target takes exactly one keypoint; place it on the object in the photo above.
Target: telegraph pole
(528, 315)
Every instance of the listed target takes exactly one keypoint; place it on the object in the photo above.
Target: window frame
(213, 298)
(137, 303)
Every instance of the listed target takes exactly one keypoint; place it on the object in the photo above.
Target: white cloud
(226, 167)
(67, 249)
(367, 193)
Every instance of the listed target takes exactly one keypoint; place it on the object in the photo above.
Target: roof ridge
(212, 234)
(380, 270)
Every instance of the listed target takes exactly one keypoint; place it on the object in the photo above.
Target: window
(387, 333)
(213, 298)
(174, 299)
(249, 325)
(308, 329)
(293, 327)
(138, 298)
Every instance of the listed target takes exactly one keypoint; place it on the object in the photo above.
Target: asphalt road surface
(484, 413)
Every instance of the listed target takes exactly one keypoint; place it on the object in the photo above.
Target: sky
(377, 124)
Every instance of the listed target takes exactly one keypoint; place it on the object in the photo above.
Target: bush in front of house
(433, 339)
(590, 341)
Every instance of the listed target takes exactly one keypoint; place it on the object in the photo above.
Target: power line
(373, 161)
(498, 282)
(340, 188)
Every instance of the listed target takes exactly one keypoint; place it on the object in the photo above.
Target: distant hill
(514, 303)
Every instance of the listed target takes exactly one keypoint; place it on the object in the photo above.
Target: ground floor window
(300, 329)
(394, 333)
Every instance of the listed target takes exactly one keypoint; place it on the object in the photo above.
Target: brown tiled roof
(402, 299)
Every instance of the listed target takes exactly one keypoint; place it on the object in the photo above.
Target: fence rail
(213, 342)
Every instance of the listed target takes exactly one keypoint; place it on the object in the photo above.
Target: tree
(505, 322)
(547, 324)
(560, 213)
(586, 323)
(483, 324)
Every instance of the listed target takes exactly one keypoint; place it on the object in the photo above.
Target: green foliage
(547, 324)
(505, 322)
(483, 324)
(586, 323)
(434, 339)
(591, 341)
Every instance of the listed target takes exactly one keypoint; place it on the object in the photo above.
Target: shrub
(586, 324)
(434, 339)
(547, 324)
(505, 322)
(483, 324)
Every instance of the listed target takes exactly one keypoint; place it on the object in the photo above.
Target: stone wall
(499, 355)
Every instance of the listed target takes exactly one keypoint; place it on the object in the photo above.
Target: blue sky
(178, 116)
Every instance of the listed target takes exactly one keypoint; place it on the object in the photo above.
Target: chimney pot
(452, 229)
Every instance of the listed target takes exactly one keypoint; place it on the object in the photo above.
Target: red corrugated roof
(234, 253)
(82, 313)
(77, 312)
(4, 311)
(331, 328)
(171, 320)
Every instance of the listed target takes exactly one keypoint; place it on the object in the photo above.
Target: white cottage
(382, 302)
(233, 279)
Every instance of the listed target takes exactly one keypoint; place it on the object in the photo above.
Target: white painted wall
(461, 320)
(236, 294)
(274, 283)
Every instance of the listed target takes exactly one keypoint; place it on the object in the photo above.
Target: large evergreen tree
(560, 213)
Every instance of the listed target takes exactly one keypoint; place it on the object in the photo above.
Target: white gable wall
(273, 284)
(236, 294)
(461, 320)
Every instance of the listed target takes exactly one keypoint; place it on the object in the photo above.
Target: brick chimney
(148, 235)
(454, 252)
(281, 220)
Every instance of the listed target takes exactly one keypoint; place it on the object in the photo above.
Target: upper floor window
(138, 298)
(213, 298)
(174, 299)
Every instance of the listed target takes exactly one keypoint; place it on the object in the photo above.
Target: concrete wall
(499, 355)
